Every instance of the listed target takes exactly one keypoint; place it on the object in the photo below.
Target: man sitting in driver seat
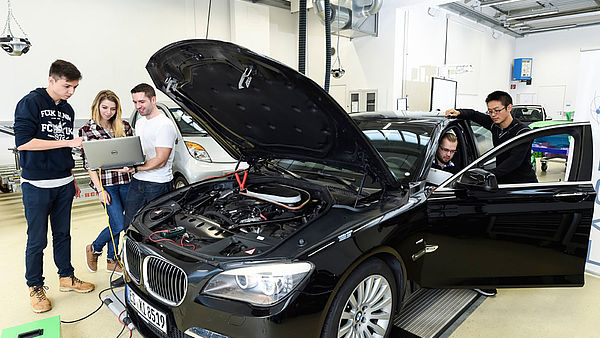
(445, 152)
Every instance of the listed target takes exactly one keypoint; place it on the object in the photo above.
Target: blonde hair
(116, 122)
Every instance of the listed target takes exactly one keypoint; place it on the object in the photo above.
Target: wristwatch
(135, 170)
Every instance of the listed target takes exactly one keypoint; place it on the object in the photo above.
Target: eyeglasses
(450, 151)
(496, 111)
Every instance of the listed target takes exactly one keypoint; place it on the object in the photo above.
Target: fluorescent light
(536, 30)
(495, 2)
(567, 15)
(532, 14)
(517, 24)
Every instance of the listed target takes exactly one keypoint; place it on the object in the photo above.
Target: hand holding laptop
(125, 170)
(75, 143)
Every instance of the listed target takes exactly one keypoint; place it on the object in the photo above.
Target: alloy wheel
(368, 310)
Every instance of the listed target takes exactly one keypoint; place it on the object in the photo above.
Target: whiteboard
(443, 94)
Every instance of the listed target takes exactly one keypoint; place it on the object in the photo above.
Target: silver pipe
(373, 8)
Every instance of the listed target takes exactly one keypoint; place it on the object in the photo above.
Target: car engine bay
(226, 219)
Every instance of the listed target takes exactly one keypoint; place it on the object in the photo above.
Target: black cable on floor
(101, 301)
(121, 332)
(80, 319)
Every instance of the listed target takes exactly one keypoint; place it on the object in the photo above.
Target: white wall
(109, 41)
(410, 49)
(555, 64)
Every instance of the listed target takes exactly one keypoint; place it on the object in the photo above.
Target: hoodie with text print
(38, 116)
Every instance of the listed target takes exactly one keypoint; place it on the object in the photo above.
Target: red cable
(229, 173)
(241, 183)
(127, 326)
(192, 245)
(244, 181)
(168, 239)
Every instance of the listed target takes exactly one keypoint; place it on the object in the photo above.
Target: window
(483, 138)
(555, 154)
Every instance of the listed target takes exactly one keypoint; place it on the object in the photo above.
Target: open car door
(482, 234)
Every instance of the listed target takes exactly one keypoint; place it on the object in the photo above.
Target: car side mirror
(478, 179)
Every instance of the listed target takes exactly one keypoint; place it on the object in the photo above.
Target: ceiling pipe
(302, 38)
(372, 9)
(340, 17)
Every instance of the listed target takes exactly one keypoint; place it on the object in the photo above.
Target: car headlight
(197, 151)
(261, 285)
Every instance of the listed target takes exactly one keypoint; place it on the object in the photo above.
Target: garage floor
(513, 313)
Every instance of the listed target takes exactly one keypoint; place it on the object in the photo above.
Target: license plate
(147, 311)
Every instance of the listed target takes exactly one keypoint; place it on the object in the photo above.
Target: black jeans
(141, 193)
(40, 203)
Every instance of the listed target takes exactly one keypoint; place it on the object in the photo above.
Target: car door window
(557, 154)
(483, 137)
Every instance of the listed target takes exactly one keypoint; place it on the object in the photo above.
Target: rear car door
(527, 234)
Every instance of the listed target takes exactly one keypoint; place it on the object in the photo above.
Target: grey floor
(555, 312)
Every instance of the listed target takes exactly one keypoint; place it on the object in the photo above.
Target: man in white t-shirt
(158, 134)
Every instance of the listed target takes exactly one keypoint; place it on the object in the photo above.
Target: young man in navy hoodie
(44, 137)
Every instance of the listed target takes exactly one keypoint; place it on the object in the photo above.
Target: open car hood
(257, 108)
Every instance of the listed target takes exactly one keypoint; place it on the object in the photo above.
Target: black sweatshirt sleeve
(26, 121)
(515, 159)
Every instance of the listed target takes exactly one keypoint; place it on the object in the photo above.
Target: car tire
(353, 313)
(180, 182)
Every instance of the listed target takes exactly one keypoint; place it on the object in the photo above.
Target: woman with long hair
(111, 186)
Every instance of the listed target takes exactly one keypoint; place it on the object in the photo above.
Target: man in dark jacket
(513, 166)
(44, 137)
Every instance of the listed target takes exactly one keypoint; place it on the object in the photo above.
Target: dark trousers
(141, 193)
(118, 196)
(41, 203)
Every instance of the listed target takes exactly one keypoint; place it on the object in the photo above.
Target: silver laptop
(114, 153)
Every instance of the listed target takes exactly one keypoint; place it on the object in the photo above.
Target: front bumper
(204, 316)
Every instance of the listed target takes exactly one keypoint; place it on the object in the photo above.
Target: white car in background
(197, 155)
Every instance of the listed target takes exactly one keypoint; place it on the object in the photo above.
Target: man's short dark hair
(62, 68)
(145, 88)
(501, 96)
(450, 136)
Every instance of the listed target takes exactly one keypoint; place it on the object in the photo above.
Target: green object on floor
(47, 328)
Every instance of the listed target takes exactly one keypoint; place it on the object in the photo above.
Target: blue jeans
(118, 196)
(140, 194)
(40, 203)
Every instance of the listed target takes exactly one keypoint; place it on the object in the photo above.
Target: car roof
(403, 114)
(527, 105)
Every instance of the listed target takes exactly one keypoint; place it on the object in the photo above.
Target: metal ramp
(429, 312)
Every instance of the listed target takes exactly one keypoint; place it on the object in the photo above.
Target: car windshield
(186, 123)
(402, 143)
(528, 114)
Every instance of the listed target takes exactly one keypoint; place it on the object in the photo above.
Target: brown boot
(39, 302)
(114, 265)
(73, 283)
(91, 258)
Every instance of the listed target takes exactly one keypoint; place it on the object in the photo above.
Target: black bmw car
(336, 215)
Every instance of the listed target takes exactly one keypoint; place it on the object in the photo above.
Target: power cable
(88, 315)
(337, 44)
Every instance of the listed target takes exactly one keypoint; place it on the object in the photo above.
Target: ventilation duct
(351, 18)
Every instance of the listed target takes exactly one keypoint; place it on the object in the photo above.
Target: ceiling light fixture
(11, 44)
(495, 2)
(532, 14)
(546, 29)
